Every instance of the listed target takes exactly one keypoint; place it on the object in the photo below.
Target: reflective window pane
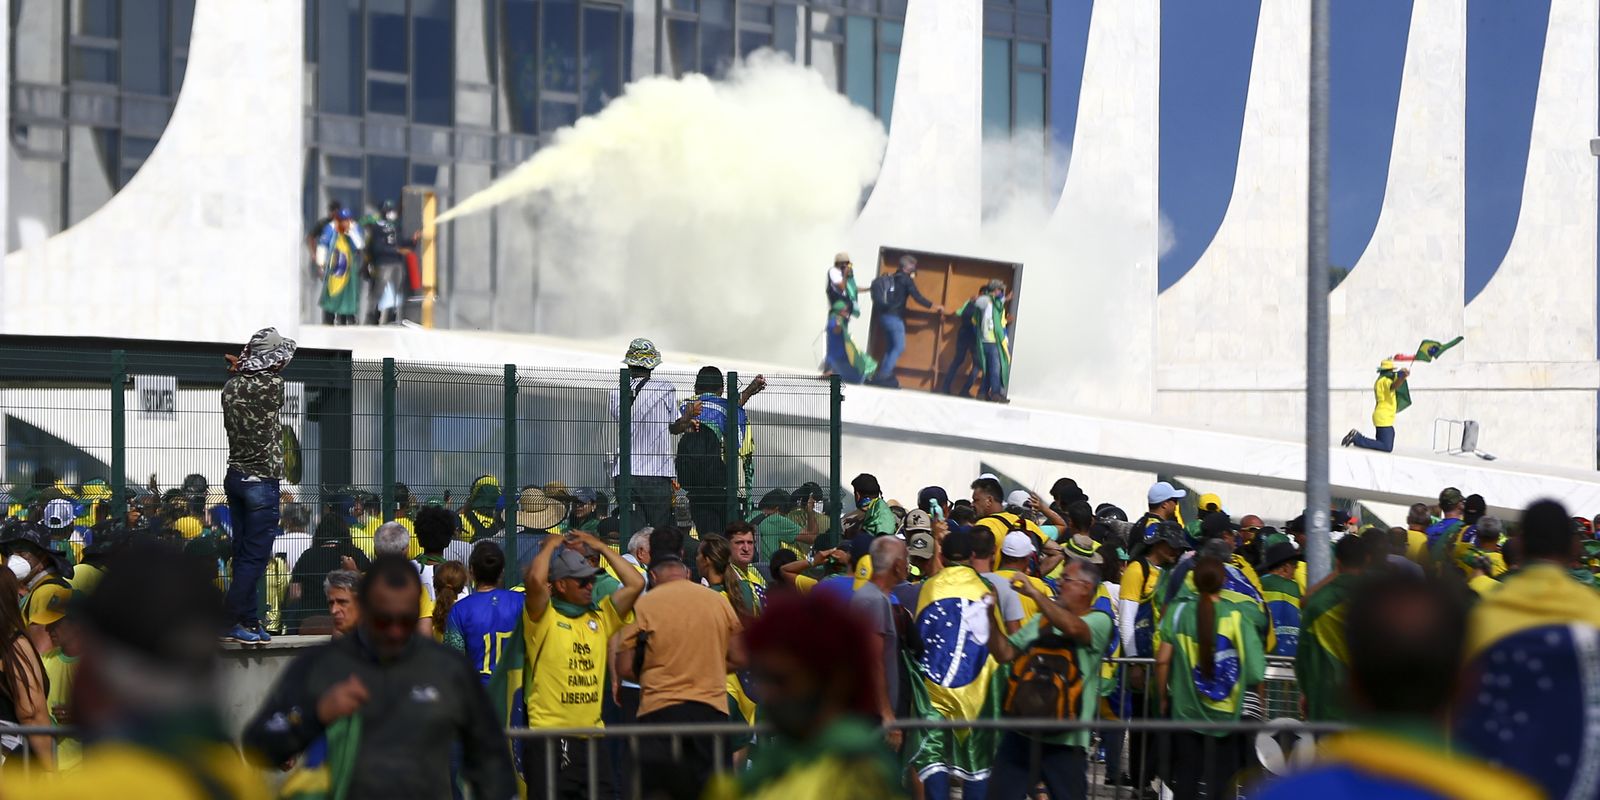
(890, 33)
(828, 58)
(554, 116)
(602, 57)
(183, 20)
(98, 18)
(94, 65)
(560, 38)
(424, 174)
(520, 69)
(996, 86)
(385, 97)
(145, 47)
(859, 80)
(386, 177)
(716, 36)
(683, 54)
(339, 66)
(888, 70)
(1030, 54)
(343, 166)
(750, 12)
(1030, 101)
(751, 41)
(386, 35)
(433, 74)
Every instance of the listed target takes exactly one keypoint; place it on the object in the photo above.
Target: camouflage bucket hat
(267, 350)
(642, 353)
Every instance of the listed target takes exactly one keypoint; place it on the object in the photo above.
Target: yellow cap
(1209, 502)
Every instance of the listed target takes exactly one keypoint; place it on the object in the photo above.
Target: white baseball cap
(1018, 545)
(58, 514)
(1018, 498)
(1161, 492)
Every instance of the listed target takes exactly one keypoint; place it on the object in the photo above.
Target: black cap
(1171, 533)
(777, 498)
(1216, 523)
(1277, 555)
(34, 534)
(1296, 525)
(1109, 511)
(957, 545)
(933, 493)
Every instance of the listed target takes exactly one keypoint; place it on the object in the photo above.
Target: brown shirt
(686, 656)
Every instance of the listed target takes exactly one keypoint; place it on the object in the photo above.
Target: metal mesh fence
(133, 433)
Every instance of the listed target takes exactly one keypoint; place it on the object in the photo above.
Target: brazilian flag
(1430, 349)
(954, 676)
(508, 692)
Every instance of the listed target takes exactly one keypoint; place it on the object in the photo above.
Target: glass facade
(93, 83)
(1016, 91)
(449, 94)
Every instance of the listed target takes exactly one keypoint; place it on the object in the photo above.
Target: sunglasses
(589, 581)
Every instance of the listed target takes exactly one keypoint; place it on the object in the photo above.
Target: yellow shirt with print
(569, 667)
(60, 669)
(1383, 413)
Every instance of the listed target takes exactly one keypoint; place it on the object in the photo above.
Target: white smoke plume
(700, 213)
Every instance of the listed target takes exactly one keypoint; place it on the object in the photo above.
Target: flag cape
(508, 691)
(1402, 392)
(341, 294)
(324, 771)
(956, 674)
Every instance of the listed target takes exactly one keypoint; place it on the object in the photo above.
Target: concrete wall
(248, 675)
(1242, 306)
(931, 182)
(212, 218)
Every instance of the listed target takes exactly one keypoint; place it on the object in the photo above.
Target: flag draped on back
(956, 674)
(508, 691)
(324, 771)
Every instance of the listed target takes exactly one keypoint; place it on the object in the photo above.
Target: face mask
(862, 503)
(817, 506)
(19, 566)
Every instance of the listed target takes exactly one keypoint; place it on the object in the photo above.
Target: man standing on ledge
(1392, 398)
(890, 294)
(251, 398)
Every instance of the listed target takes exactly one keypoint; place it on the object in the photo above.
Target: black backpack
(883, 291)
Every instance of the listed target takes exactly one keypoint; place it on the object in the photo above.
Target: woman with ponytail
(1211, 654)
(715, 562)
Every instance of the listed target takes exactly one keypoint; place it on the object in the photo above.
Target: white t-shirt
(985, 318)
(655, 407)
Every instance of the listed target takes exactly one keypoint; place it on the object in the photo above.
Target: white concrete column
(204, 242)
(929, 191)
(1539, 306)
(1407, 285)
(1243, 303)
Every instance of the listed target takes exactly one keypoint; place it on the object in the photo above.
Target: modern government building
(448, 94)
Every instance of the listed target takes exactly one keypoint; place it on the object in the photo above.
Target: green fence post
(624, 456)
(730, 450)
(119, 436)
(509, 487)
(835, 468)
(390, 386)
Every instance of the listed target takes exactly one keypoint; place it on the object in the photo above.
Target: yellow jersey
(1387, 406)
(569, 665)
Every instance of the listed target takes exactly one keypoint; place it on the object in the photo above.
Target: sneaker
(1349, 438)
(242, 635)
(262, 635)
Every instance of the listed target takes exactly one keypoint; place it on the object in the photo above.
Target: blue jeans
(253, 505)
(1384, 442)
(991, 371)
(1064, 770)
(966, 358)
(894, 327)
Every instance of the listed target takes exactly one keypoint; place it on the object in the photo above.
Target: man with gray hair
(890, 567)
(639, 550)
(340, 587)
(1488, 535)
(391, 539)
(890, 294)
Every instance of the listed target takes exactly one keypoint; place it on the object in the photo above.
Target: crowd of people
(1457, 649)
(982, 345)
(362, 265)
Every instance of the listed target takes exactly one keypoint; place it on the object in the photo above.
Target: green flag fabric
(1430, 349)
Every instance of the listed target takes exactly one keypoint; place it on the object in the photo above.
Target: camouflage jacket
(250, 403)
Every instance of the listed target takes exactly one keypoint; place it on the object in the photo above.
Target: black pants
(570, 758)
(1202, 766)
(966, 359)
(682, 777)
(652, 501)
(1064, 770)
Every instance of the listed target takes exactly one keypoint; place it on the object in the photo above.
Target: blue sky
(1206, 52)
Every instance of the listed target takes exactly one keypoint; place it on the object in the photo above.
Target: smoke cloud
(700, 213)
